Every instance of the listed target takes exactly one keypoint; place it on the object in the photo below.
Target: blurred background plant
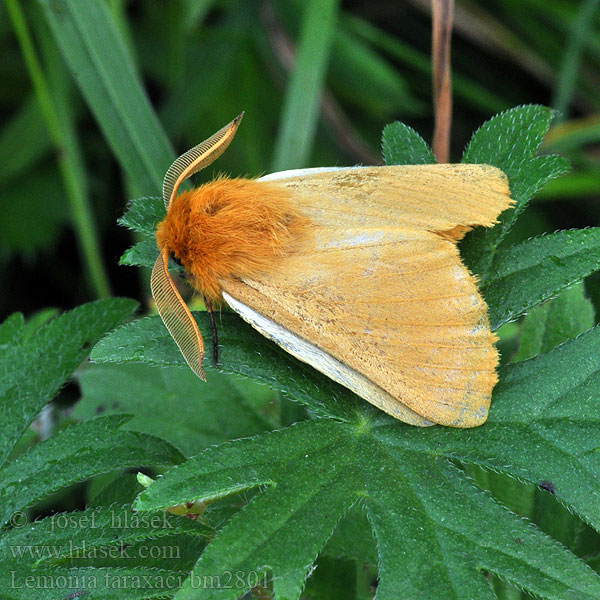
(318, 81)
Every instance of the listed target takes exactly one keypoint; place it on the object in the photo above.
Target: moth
(354, 271)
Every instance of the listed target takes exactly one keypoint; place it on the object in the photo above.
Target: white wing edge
(326, 364)
(302, 172)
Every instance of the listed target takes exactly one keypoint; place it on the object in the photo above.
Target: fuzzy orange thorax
(231, 228)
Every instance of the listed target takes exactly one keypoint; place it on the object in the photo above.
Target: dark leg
(213, 328)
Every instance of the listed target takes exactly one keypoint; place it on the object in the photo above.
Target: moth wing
(435, 197)
(323, 361)
(391, 302)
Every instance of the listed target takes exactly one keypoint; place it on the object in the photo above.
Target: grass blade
(98, 59)
(62, 133)
(300, 110)
(569, 68)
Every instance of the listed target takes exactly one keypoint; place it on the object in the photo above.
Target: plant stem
(442, 14)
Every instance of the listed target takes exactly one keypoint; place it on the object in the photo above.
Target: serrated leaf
(512, 137)
(206, 414)
(88, 583)
(402, 145)
(509, 141)
(543, 425)
(353, 539)
(142, 254)
(545, 327)
(530, 273)
(78, 534)
(32, 370)
(74, 454)
(306, 513)
(37, 320)
(417, 502)
(560, 319)
(143, 214)
(242, 350)
(12, 328)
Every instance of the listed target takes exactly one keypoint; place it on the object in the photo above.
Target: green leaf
(12, 329)
(88, 583)
(353, 539)
(509, 141)
(300, 109)
(32, 370)
(546, 326)
(76, 453)
(99, 62)
(307, 505)
(144, 214)
(23, 141)
(206, 414)
(402, 145)
(563, 318)
(142, 254)
(529, 273)
(332, 580)
(37, 320)
(418, 504)
(543, 425)
(512, 137)
(242, 351)
(560, 319)
(78, 534)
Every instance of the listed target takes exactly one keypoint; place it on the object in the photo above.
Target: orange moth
(352, 270)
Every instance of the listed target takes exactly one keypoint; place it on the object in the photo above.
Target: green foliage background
(98, 97)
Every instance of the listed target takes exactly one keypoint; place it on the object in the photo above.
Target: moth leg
(213, 327)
